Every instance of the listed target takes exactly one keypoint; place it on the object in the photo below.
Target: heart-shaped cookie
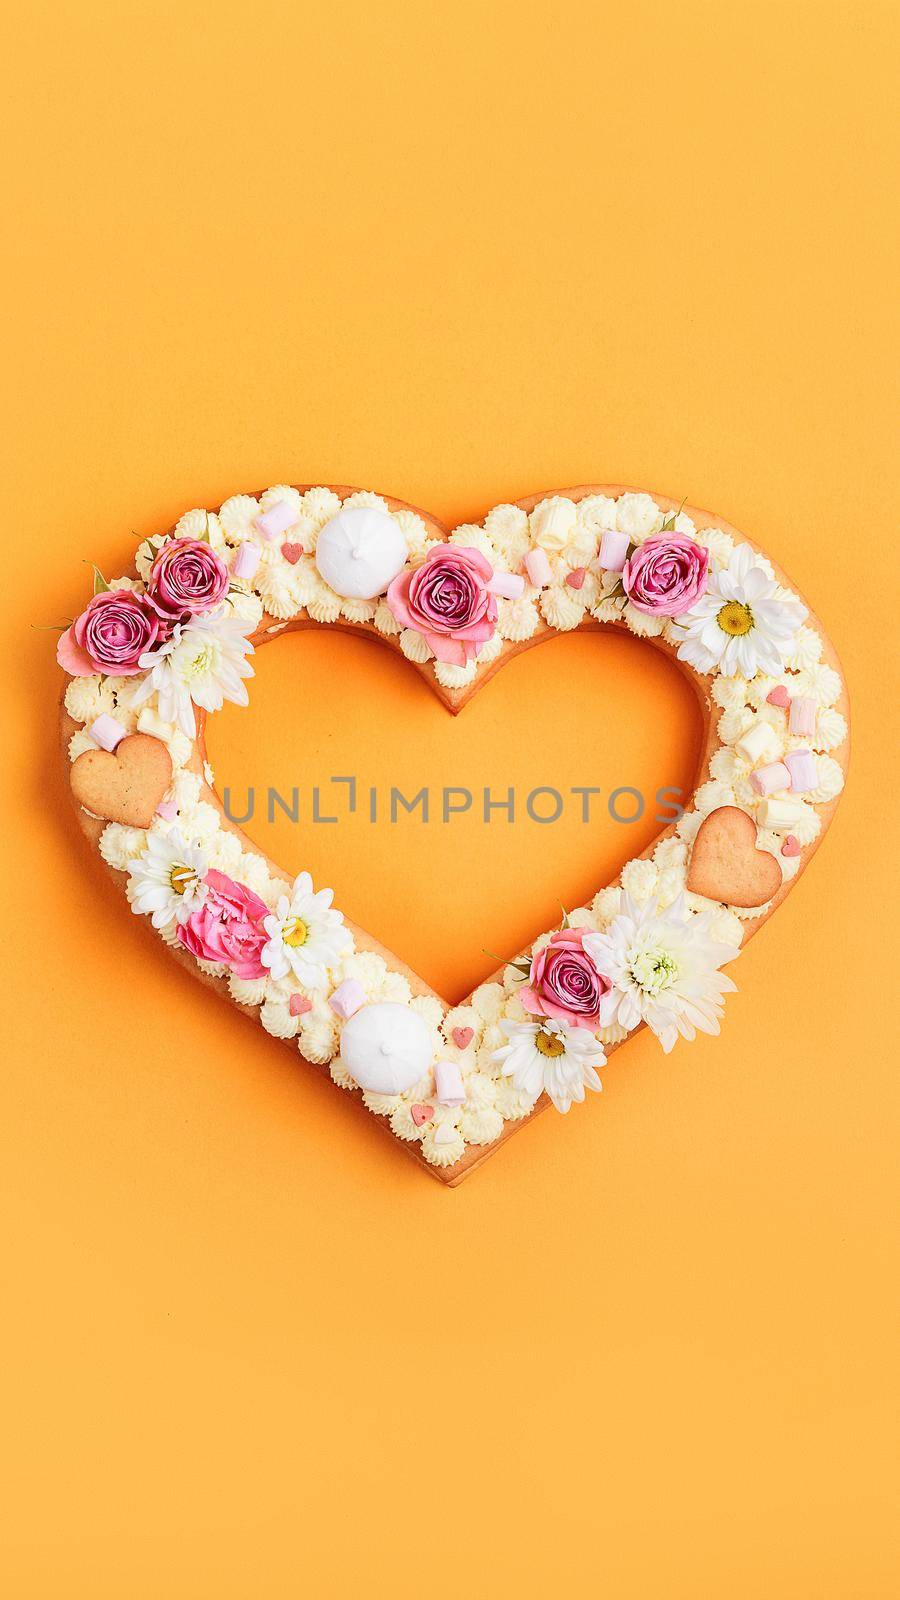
(149, 657)
(126, 784)
(726, 864)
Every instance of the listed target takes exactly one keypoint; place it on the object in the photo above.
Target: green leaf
(100, 584)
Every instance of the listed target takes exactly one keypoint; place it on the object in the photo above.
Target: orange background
(247, 1349)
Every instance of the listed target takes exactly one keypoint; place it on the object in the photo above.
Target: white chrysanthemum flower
(742, 624)
(548, 1056)
(663, 967)
(306, 937)
(166, 882)
(202, 663)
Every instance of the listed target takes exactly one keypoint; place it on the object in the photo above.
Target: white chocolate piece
(386, 1048)
(360, 551)
(780, 815)
(759, 743)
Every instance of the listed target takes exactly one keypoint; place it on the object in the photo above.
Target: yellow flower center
(182, 878)
(735, 618)
(295, 932)
(549, 1044)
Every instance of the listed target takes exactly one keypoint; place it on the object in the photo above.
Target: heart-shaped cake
(158, 649)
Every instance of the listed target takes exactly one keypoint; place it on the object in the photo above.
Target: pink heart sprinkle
(791, 846)
(463, 1036)
(421, 1114)
(292, 553)
(298, 1005)
(779, 697)
(576, 577)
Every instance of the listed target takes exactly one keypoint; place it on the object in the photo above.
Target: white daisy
(663, 967)
(547, 1055)
(201, 662)
(166, 882)
(743, 623)
(306, 936)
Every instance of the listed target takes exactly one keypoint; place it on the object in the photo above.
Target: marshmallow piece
(347, 998)
(168, 810)
(106, 732)
(277, 519)
(446, 1133)
(613, 550)
(246, 561)
(538, 567)
(802, 767)
(803, 714)
(360, 551)
(299, 1004)
(759, 743)
(449, 1084)
(780, 815)
(765, 780)
(552, 522)
(386, 1048)
(507, 585)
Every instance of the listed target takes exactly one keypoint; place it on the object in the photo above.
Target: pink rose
(187, 576)
(447, 600)
(110, 636)
(666, 575)
(228, 927)
(564, 983)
